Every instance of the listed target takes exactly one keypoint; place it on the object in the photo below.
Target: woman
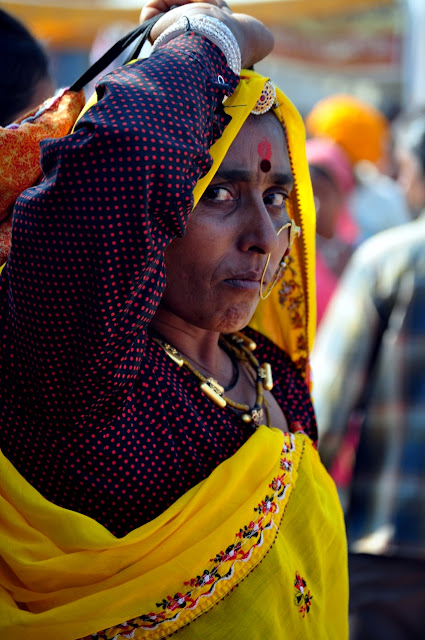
(155, 483)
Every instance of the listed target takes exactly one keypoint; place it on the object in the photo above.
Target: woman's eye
(218, 194)
(276, 199)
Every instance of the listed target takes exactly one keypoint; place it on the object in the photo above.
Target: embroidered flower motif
(179, 601)
(285, 291)
(303, 597)
(278, 485)
(301, 342)
(286, 464)
(291, 297)
(152, 617)
(267, 505)
(206, 578)
(252, 530)
(230, 553)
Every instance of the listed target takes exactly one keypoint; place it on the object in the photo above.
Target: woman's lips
(247, 280)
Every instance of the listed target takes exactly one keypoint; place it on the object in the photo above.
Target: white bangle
(213, 29)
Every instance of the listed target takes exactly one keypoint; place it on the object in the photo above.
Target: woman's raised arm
(86, 270)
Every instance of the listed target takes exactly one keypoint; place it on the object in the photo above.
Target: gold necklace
(242, 347)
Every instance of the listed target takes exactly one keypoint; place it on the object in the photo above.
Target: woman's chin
(236, 318)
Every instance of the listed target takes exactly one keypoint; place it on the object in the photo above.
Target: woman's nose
(260, 230)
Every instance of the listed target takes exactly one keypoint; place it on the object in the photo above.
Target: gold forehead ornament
(266, 101)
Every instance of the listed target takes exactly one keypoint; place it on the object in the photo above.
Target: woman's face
(214, 271)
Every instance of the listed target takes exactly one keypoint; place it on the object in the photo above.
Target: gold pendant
(243, 339)
(265, 372)
(172, 353)
(212, 389)
(268, 381)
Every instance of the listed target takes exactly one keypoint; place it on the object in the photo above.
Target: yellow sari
(271, 507)
(262, 537)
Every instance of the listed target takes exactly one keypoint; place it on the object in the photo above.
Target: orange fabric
(5, 238)
(20, 153)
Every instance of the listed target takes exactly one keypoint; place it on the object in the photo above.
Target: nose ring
(294, 232)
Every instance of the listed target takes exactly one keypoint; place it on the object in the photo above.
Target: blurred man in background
(363, 132)
(369, 394)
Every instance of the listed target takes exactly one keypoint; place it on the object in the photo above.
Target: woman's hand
(254, 39)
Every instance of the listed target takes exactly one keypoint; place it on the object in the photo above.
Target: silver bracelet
(213, 29)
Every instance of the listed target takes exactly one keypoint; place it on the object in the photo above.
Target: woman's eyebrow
(241, 175)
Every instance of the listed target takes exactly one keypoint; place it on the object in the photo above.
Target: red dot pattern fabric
(92, 413)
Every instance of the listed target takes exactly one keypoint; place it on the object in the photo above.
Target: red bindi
(264, 150)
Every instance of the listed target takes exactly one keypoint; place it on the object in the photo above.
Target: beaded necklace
(242, 349)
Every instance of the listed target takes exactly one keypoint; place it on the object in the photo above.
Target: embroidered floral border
(222, 566)
(291, 297)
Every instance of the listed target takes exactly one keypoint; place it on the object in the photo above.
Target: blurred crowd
(368, 179)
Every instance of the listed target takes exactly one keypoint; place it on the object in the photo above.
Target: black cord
(142, 32)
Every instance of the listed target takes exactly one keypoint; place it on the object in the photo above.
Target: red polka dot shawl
(92, 415)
